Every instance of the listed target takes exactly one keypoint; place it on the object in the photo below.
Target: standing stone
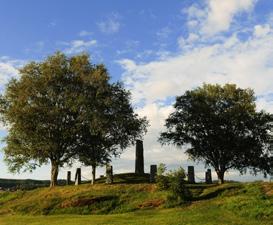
(68, 178)
(208, 177)
(191, 179)
(139, 166)
(109, 174)
(78, 176)
(153, 173)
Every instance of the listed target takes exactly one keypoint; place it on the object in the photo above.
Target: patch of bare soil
(151, 203)
(84, 201)
(268, 189)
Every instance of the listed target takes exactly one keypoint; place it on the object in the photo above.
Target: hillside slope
(244, 201)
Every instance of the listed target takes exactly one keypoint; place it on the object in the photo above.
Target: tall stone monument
(78, 176)
(191, 178)
(109, 174)
(208, 177)
(139, 164)
(153, 173)
(68, 178)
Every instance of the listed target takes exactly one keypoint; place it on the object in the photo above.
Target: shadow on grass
(215, 192)
(127, 178)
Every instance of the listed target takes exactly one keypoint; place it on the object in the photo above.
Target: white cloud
(262, 30)
(8, 69)
(110, 25)
(217, 15)
(248, 63)
(191, 38)
(77, 46)
(221, 14)
(84, 33)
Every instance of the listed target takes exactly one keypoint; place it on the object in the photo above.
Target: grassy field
(197, 215)
(231, 203)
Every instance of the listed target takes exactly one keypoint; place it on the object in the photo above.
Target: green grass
(200, 214)
(138, 203)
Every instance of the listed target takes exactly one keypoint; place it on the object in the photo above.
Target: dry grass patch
(268, 189)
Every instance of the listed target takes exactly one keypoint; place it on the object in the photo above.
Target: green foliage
(222, 127)
(175, 183)
(162, 182)
(64, 107)
(161, 169)
(109, 124)
(179, 192)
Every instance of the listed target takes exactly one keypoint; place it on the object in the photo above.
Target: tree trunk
(93, 174)
(220, 175)
(54, 174)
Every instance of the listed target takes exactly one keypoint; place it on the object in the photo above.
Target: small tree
(174, 181)
(110, 124)
(222, 127)
(179, 191)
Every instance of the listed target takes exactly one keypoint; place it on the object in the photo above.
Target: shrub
(161, 169)
(163, 182)
(179, 191)
(175, 182)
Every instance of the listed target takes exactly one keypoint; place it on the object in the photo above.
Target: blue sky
(157, 48)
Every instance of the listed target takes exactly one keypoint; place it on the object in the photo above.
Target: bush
(163, 182)
(161, 169)
(175, 182)
(179, 191)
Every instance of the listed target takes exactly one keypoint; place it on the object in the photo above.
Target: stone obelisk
(139, 166)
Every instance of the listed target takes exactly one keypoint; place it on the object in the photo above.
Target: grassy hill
(25, 184)
(138, 203)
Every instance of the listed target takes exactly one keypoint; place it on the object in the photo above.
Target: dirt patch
(268, 189)
(151, 203)
(85, 201)
(147, 188)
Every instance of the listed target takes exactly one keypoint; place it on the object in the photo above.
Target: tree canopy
(109, 125)
(221, 126)
(64, 106)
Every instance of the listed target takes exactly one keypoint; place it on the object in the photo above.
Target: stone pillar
(208, 177)
(78, 176)
(139, 164)
(68, 178)
(109, 174)
(153, 173)
(191, 179)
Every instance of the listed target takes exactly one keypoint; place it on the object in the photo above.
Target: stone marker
(139, 164)
(109, 174)
(191, 179)
(153, 173)
(78, 176)
(68, 178)
(208, 177)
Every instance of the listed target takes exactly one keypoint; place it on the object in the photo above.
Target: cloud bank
(215, 50)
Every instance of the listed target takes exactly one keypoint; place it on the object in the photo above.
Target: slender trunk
(54, 173)
(93, 174)
(220, 175)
